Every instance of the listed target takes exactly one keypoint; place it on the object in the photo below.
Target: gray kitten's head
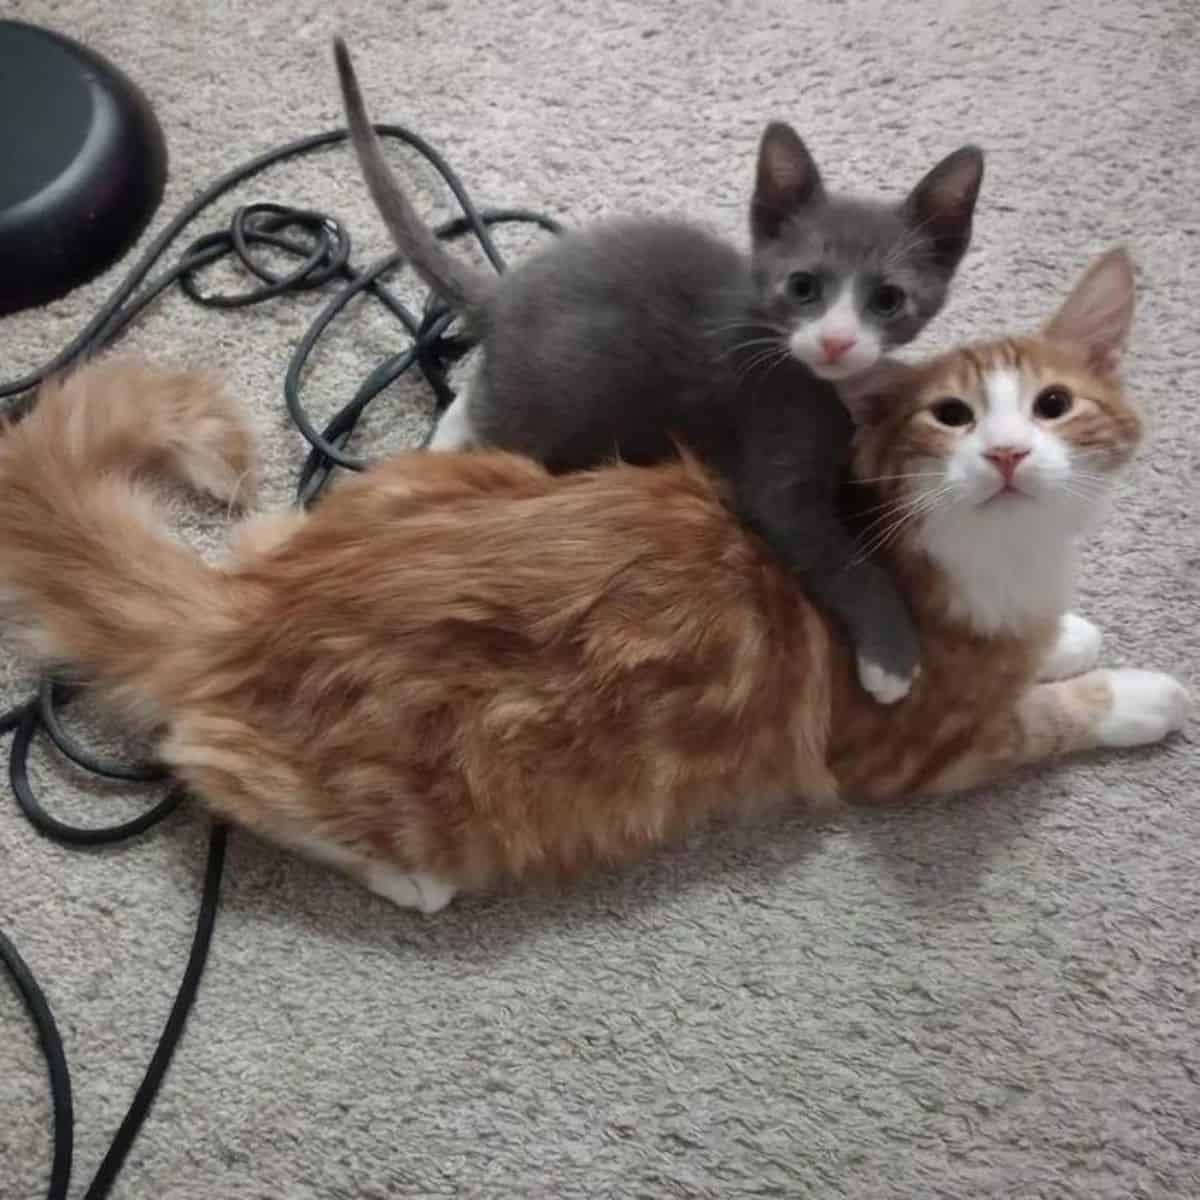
(846, 280)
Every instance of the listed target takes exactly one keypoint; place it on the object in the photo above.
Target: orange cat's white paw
(883, 685)
(1077, 649)
(1146, 706)
(425, 893)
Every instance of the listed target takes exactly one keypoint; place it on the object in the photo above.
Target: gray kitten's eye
(886, 300)
(952, 412)
(803, 287)
(1052, 403)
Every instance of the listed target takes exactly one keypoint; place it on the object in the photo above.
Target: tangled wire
(321, 248)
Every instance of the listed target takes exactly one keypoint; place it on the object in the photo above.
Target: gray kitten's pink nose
(835, 348)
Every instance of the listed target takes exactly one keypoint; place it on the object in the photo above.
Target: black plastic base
(82, 165)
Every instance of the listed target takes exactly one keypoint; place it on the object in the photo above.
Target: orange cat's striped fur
(459, 667)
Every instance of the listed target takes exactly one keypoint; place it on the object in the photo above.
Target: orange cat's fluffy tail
(101, 585)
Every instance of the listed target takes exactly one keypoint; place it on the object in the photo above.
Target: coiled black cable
(321, 246)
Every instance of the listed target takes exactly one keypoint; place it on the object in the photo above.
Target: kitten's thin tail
(100, 584)
(463, 288)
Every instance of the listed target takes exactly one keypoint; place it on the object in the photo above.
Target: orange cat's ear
(1098, 314)
(871, 397)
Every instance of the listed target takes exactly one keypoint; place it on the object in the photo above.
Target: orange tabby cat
(459, 666)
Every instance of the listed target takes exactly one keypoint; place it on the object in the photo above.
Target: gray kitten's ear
(942, 205)
(787, 180)
(869, 397)
(1098, 314)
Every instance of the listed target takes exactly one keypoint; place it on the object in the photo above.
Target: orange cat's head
(994, 458)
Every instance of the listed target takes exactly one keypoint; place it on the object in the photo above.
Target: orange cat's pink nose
(836, 348)
(1006, 460)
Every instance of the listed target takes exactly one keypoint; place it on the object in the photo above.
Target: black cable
(321, 246)
(56, 1066)
(117, 312)
(56, 1060)
(52, 693)
(173, 1030)
(52, 827)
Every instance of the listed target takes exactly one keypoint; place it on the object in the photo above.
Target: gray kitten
(628, 336)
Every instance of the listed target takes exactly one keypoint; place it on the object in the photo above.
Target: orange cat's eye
(1052, 403)
(952, 412)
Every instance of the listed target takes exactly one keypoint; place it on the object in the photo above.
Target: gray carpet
(994, 997)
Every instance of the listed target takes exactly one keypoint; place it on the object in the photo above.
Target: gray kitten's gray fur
(621, 338)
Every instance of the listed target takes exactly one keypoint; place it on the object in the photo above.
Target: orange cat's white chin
(1008, 554)
(1037, 505)
(1008, 494)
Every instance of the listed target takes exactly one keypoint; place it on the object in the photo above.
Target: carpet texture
(998, 996)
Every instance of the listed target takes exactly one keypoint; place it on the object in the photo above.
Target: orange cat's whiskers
(1088, 478)
(900, 514)
(903, 475)
(1078, 476)
(1088, 494)
(1080, 459)
(903, 503)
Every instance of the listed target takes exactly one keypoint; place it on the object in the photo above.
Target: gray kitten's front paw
(889, 664)
(881, 684)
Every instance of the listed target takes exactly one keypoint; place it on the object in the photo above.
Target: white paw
(435, 893)
(423, 892)
(881, 684)
(1146, 706)
(453, 432)
(1076, 651)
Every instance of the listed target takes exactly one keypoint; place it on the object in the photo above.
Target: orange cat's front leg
(1117, 708)
(1075, 650)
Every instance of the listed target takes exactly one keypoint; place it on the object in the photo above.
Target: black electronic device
(82, 165)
